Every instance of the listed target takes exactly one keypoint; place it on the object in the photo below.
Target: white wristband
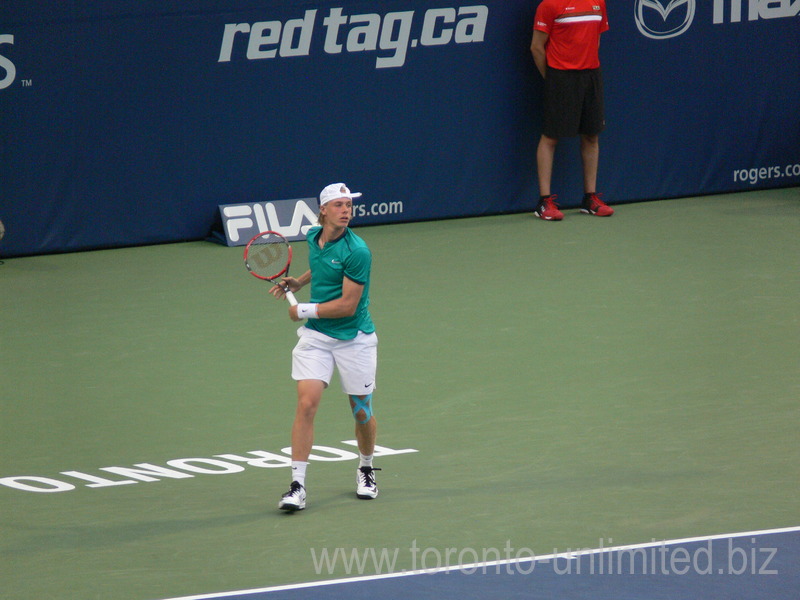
(308, 311)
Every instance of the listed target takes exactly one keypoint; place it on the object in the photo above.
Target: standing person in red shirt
(565, 47)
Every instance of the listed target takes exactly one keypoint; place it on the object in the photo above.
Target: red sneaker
(592, 205)
(548, 209)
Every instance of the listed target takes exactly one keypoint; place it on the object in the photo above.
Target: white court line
(474, 566)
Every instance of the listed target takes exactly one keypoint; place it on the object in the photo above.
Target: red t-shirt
(574, 28)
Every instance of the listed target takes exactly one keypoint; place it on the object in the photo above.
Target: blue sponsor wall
(125, 123)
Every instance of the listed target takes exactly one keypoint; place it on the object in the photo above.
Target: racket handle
(290, 297)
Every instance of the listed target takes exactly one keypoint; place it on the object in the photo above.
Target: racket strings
(268, 257)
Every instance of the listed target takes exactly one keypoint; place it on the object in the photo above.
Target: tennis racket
(268, 256)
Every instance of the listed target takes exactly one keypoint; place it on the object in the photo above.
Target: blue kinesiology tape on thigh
(365, 405)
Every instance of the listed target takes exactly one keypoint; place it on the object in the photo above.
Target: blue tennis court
(753, 565)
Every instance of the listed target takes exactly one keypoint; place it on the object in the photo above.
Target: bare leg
(590, 155)
(309, 394)
(544, 161)
(366, 433)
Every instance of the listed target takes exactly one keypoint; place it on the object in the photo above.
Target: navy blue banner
(131, 123)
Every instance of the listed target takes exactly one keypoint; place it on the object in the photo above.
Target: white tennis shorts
(316, 354)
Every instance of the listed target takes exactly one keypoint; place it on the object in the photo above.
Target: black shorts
(573, 103)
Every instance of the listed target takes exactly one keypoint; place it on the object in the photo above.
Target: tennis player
(338, 332)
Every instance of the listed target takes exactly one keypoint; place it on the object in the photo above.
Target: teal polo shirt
(349, 256)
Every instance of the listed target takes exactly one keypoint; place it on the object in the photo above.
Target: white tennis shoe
(366, 488)
(294, 499)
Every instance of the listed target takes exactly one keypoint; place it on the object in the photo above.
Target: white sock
(299, 472)
(364, 461)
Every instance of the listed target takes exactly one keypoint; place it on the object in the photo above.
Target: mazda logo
(658, 22)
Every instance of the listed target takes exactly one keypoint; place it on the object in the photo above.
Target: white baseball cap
(335, 191)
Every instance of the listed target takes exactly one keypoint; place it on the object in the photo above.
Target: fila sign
(291, 218)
